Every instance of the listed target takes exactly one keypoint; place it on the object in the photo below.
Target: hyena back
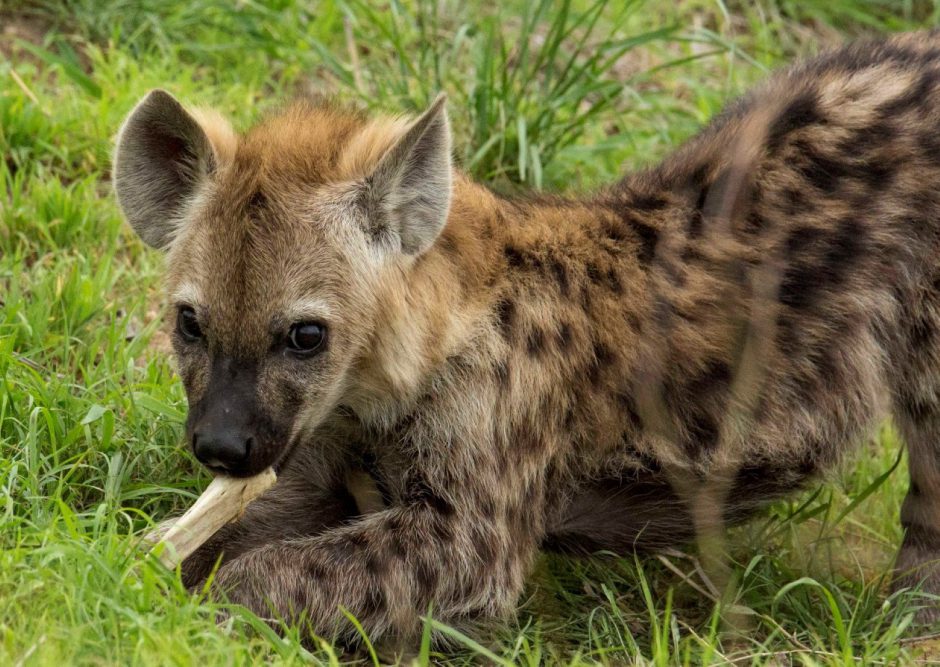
(449, 380)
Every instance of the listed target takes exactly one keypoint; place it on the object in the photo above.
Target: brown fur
(546, 371)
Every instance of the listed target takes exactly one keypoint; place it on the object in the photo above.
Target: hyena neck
(556, 261)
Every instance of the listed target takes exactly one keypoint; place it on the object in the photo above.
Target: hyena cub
(612, 372)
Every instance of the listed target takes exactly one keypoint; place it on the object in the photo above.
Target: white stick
(224, 500)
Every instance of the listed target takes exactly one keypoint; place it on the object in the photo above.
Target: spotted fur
(545, 372)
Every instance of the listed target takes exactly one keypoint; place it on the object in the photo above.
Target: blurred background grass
(560, 95)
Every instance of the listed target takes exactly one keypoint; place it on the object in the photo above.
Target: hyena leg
(643, 513)
(621, 515)
(292, 508)
(388, 569)
(918, 562)
(310, 496)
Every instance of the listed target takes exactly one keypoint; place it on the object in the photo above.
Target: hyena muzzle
(448, 380)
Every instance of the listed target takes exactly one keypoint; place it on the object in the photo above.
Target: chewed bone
(224, 500)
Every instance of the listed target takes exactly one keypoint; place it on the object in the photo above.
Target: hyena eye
(187, 324)
(306, 337)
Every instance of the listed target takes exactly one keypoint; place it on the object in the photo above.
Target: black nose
(221, 448)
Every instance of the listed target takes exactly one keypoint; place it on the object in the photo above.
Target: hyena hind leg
(621, 515)
(918, 562)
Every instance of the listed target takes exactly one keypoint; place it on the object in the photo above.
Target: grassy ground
(560, 96)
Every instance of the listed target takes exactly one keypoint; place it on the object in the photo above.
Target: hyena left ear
(163, 156)
(408, 192)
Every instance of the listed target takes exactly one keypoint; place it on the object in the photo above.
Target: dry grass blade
(706, 492)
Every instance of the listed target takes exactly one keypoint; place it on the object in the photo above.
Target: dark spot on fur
(799, 286)
(569, 419)
(527, 444)
(419, 492)
(823, 172)
(586, 299)
(448, 244)
(376, 564)
(804, 279)
(929, 143)
(795, 202)
(697, 177)
(441, 530)
(514, 256)
(788, 337)
(646, 234)
(648, 202)
(257, 202)
(674, 272)
(535, 343)
(292, 395)
(564, 336)
(593, 273)
(358, 540)
(761, 483)
(847, 244)
(485, 547)
(561, 275)
(487, 508)
(626, 401)
(316, 571)
(602, 357)
(341, 550)
(691, 253)
(663, 312)
(863, 141)
(801, 112)
(633, 322)
(702, 430)
(801, 239)
(614, 232)
(923, 333)
(754, 223)
(917, 96)
(506, 316)
(716, 376)
(397, 546)
(697, 219)
(613, 281)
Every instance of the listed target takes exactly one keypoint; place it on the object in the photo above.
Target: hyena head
(276, 245)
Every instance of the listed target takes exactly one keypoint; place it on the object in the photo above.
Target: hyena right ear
(163, 156)
(408, 192)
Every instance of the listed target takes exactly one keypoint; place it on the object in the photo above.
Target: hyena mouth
(230, 443)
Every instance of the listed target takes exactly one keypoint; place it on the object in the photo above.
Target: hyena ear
(163, 156)
(409, 189)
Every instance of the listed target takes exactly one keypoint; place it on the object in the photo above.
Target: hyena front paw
(918, 568)
(272, 588)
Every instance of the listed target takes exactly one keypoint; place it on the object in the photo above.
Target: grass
(557, 95)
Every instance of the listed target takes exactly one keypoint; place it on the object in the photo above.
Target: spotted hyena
(449, 380)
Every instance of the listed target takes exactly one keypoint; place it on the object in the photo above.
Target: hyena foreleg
(387, 569)
(307, 499)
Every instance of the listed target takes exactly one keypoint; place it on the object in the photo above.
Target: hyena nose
(224, 448)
